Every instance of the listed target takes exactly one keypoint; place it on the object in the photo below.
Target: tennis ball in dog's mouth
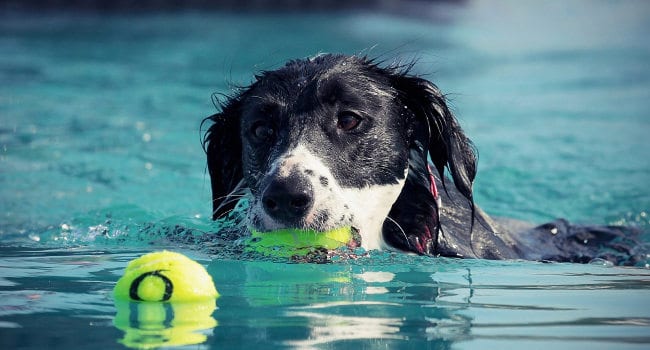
(296, 242)
(165, 276)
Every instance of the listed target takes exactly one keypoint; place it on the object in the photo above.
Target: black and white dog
(337, 140)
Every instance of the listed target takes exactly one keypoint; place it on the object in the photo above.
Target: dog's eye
(348, 121)
(262, 131)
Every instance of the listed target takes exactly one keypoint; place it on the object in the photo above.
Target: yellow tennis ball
(165, 276)
(295, 242)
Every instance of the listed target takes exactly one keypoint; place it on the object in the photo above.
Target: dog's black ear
(223, 147)
(447, 144)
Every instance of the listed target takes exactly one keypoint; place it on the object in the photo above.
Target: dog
(338, 140)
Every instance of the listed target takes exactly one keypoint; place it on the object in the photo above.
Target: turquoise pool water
(101, 161)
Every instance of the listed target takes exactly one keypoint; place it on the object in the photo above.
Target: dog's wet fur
(338, 140)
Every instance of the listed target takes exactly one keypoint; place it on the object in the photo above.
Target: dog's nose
(288, 199)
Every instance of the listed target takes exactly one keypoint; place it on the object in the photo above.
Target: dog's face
(323, 143)
(324, 146)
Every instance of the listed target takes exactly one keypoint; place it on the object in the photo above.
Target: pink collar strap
(433, 188)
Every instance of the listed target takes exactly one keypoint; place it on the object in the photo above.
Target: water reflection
(328, 327)
(148, 325)
(307, 306)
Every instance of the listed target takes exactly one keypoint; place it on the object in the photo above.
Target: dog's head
(338, 141)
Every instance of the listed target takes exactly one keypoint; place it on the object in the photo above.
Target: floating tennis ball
(293, 242)
(165, 276)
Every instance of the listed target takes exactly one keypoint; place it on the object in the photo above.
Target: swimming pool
(101, 161)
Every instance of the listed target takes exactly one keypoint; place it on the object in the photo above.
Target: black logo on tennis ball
(169, 287)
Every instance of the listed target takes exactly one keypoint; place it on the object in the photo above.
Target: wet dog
(338, 140)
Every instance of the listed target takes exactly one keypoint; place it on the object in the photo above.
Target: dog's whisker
(226, 203)
(223, 215)
(232, 196)
(235, 195)
(400, 229)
